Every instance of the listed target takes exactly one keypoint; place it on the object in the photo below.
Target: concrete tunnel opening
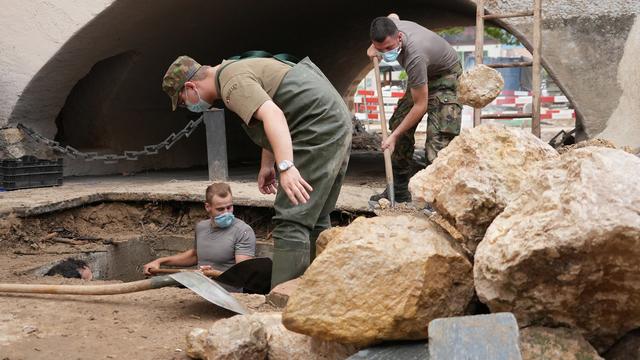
(101, 91)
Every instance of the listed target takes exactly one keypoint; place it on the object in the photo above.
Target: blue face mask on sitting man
(224, 220)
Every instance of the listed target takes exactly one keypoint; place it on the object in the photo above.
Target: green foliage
(452, 31)
(403, 75)
(501, 35)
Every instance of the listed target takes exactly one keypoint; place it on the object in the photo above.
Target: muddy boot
(400, 190)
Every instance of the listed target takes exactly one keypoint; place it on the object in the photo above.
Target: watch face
(282, 166)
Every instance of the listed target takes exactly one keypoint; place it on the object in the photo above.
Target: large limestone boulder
(276, 342)
(541, 343)
(479, 86)
(381, 278)
(474, 178)
(565, 252)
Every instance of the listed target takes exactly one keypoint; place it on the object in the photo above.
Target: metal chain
(114, 158)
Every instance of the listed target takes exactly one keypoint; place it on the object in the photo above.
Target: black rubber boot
(400, 189)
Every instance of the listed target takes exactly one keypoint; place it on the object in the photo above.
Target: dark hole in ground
(117, 238)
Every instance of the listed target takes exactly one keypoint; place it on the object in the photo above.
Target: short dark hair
(68, 268)
(381, 27)
(219, 189)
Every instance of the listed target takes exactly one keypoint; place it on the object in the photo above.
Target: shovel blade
(254, 275)
(209, 290)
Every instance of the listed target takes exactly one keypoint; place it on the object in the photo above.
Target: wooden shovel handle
(210, 273)
(107, 289)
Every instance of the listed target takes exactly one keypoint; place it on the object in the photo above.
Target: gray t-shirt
(218, 247)
(424, 53)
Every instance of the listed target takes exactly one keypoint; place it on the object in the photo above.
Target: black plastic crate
(30, 172)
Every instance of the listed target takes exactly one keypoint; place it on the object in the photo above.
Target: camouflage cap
(180, 71)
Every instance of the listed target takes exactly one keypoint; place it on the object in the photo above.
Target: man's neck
(214, 75)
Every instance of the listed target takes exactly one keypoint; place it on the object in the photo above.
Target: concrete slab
(479, 337)
(168, 186)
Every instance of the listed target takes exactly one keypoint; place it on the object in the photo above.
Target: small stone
(29, 329)
(238, 337)
(384, 203)
(279, 295)
(479, 86)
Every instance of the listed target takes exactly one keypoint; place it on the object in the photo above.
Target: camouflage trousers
(443, 121)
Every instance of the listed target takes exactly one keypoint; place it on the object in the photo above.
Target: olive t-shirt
(248, 83)
(424, 53)
(218, 247)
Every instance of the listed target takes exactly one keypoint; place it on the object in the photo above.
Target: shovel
(383, 124)
(254, 275)
(195, 281)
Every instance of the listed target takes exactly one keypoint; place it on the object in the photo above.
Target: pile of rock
(553, 239)
(557, 236)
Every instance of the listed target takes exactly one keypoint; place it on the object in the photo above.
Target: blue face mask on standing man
(392, 55)
(200, 106)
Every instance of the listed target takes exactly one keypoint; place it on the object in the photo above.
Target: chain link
(130, 155)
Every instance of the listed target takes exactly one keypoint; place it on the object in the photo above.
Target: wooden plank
(479, 49)
(506, 16)
(511, 65)
(506, 116)
(536, 81)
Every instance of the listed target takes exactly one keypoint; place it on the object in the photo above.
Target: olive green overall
(320, 127)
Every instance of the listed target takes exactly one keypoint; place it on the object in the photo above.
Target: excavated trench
(117, 238)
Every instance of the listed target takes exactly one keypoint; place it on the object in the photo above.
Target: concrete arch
(85, 35)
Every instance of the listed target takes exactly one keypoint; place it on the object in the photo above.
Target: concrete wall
(88, 72)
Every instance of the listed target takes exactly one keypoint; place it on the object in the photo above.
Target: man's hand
(155, 264)
(390, 143)
(372, 52)
(267, 180)
(295, 186)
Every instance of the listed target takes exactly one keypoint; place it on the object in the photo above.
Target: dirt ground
(146, 325)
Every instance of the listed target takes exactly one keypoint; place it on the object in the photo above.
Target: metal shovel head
(254, 275)
(210, 290)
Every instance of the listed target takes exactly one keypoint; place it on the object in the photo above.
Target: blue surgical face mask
(199, 107)
(392, 55)
(224, 220)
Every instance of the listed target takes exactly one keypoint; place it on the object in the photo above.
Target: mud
(146, 325)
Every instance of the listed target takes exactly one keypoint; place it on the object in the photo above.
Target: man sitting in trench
(220, 241)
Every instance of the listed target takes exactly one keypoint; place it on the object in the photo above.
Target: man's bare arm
(240, 258)
(186, 258)
(277, 131)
